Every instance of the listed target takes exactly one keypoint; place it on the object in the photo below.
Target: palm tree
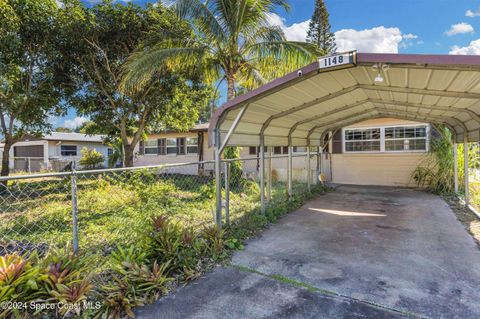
(234, 40)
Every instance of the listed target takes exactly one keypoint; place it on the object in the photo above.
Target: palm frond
(168, 56)
(202, 18)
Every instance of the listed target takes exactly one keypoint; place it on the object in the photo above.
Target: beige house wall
(386, 169)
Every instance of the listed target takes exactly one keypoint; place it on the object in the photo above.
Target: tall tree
(30, 75)
(319, 32)
(109, 33)
(235, 41)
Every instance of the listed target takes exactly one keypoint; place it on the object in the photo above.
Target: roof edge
(391, 58)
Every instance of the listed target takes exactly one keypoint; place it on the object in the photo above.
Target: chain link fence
(100, 209)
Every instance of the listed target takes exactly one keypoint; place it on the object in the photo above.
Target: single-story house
(384, 151)
(54, 151)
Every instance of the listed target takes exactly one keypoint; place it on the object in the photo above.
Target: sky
(380, 26)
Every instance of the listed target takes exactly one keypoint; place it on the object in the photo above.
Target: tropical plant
(133, 282)
(436, 171)
(235, 41)
(116, 155)
(91, 158)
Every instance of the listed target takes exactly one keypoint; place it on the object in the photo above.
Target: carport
(305, 107)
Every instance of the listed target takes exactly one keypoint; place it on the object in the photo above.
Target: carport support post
(262, 173)
(289, 168)
(309, 175)
(455, 168)
(269, 175)
(218, 180)
(465, 170)
(317, 172)
(227, 192)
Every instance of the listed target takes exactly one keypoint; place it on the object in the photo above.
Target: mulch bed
(466, 217)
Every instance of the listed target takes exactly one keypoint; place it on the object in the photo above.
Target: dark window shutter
(142, 147)
(161, 146)
(181, 146)
(337, 142)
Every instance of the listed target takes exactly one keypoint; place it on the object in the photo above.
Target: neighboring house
(54, 151)
(383, 151)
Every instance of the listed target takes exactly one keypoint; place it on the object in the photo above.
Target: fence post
(74, 208)
(455, 168)
(262, 173)
(309, 175)
(318, 171)
(289, 171)
(227, 193)
(465, 173)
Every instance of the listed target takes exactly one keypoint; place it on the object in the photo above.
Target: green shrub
(91, 158)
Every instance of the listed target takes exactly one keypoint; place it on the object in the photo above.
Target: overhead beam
(354, 118)
(399, 89)
(427, 118)
(472, 114)
(307, 105)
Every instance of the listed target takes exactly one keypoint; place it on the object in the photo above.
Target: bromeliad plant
(60, 277)
(134, 282)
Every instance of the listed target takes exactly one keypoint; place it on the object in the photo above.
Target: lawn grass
(113, 209)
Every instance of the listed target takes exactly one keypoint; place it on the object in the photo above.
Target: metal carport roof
(306, 103)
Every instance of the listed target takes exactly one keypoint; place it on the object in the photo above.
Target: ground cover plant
(142, 233)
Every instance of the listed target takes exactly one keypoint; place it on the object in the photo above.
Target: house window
(254, 150)
(278, 150)
(386, 139)
(192, 145)
(299, 149)
(151, 147)
(362, 140)
(410, 138)
(68, 150)
(171, 146)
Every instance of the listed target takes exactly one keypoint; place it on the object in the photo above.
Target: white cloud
(473, 14)
(460, 28)
(75, 123)
(295, 32)
(375, 40)
(472, 49)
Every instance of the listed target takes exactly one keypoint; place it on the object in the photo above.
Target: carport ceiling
(441, 89)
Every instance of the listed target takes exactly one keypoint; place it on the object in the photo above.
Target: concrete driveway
(358, 252)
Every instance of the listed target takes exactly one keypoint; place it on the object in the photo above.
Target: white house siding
(55, 156)
(154, 159)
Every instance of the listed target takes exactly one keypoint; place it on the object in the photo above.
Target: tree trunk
(6, 158)
(128, 155)
(230, 86)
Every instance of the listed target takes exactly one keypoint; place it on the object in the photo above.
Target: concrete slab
(232, 293)
(396, 247)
